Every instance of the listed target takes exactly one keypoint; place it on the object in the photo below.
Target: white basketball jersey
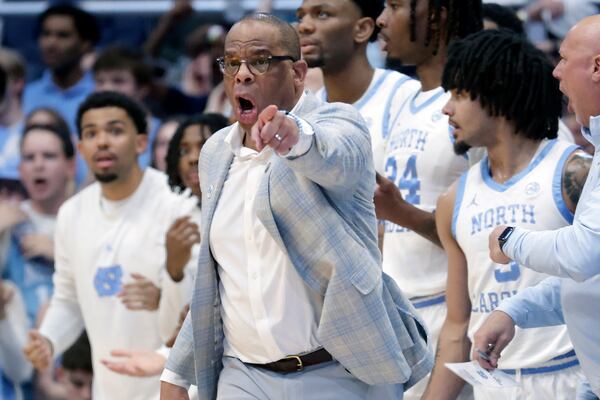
(531, 199)
(375, 106)
(420, 160)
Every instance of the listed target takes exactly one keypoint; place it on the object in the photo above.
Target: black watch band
(504, 236)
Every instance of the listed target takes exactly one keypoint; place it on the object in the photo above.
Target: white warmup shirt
(98, 244)
(376, 106)
(420, 160)
(531, 199)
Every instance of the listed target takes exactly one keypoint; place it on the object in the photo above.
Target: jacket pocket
(366, 279)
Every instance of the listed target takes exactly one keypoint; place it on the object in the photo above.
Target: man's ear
(141, 142)
(363, 29)
(596, 70)
(300, 68)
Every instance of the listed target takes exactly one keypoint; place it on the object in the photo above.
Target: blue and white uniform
(376, 106)
(531, 199)
(420, 160)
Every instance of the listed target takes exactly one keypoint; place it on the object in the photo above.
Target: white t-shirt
(98, 244)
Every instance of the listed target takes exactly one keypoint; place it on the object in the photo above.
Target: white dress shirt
(268, 311)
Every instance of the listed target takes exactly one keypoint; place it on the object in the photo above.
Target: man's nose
(244, 75)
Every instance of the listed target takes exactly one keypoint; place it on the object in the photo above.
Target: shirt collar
(235, 138)
(592, 134)
(85, 85)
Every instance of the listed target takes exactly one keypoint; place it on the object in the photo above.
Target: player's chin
(461, 147)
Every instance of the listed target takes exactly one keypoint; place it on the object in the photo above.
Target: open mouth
(247, 112)
(40, 182)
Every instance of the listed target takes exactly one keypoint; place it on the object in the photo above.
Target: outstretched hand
(274, 129)
(141, 363)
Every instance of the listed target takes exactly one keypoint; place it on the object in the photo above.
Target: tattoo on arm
(575, 176)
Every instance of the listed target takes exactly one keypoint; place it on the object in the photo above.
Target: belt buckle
(299, 365)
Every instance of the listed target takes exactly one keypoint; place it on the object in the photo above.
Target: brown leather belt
(297, 362)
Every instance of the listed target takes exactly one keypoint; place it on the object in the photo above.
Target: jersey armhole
(460, 192)
(385, 124)
(557, 184)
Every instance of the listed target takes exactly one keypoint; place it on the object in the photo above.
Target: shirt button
(254, 275)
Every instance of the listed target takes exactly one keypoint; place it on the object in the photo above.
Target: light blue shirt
(573, 251)
(572, 255)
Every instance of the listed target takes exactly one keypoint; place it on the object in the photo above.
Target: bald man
(571, 255)
(290, 300)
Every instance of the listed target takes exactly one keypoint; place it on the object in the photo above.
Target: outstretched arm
(570, 252)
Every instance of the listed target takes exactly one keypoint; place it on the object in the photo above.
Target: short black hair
(124, 58)
(63, 135)
(79, 356)
(58, 120)
(289, 39)
(212, 121)
(502, 16)
(463, 18)
(371, 9)
(113, 99)
(85, 23)
(510, 77)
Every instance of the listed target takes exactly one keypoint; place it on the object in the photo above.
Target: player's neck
(123, 187)
(510, 154)
(430, 71)
(349, 84)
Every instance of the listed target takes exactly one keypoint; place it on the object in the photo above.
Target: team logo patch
(107, 281)
(532, 189)
(436, 116)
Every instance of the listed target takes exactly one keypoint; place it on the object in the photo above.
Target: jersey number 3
(408, 181)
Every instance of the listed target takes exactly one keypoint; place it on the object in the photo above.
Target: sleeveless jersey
(420, 160)
(531, 199)
(375, 106)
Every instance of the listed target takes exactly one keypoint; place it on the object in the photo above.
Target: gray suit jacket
(330, 236)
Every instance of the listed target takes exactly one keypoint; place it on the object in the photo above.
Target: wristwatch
(505, 235)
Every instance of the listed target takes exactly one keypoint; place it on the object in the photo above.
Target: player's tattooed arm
(574, 177)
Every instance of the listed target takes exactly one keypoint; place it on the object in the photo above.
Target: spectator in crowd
(526, 179)
(294, 172)
(419, 161)
(118, 223)
(77, 370)
(569, 254)
(11, 113)
(334, 35)
(15, 371)
(124, 70)
(47, 166)
(161, 144)
(65, 34)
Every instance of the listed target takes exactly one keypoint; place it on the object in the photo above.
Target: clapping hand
(181, 237)
(141, 294)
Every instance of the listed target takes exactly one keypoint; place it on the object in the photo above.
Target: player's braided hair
(463, 17)
(509, 77)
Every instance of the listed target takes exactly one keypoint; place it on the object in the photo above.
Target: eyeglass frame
(270, 57)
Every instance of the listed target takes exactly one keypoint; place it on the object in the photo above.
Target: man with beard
(104, 234)
(528, 179)
(334, 35)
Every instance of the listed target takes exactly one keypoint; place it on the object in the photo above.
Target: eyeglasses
(258, 65)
